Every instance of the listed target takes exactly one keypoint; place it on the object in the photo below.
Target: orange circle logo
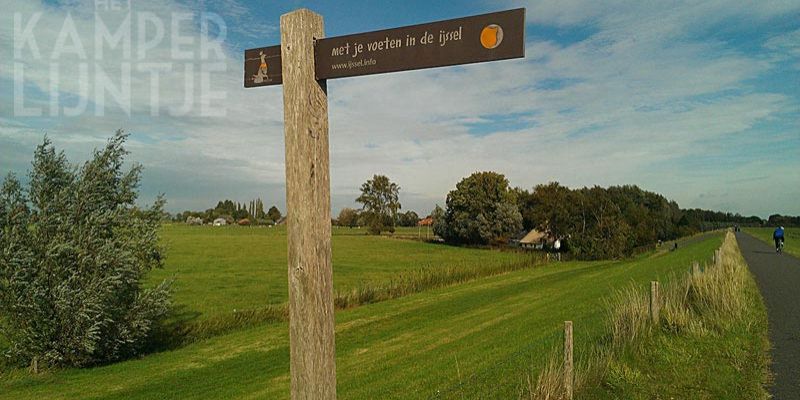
(491, 36)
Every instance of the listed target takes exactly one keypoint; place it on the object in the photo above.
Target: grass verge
(709, 342)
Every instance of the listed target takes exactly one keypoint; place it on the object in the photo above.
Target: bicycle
(779, 248)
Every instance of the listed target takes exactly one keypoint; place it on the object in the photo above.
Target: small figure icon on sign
(261, 75)
(491, 36)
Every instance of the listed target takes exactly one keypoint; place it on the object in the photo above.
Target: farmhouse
(535, 240)
(220, 222)
(427, 221)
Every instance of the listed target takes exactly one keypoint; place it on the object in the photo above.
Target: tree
(481, 210)
(776, 220)
(601, 223)
(439, 223)
(240, 213)
(602, 232)
(525, 204)
(260, 209)
(553, 208)
(348, 217)
(274, 214)
(380, 200)
(408, 218)
(75, 253)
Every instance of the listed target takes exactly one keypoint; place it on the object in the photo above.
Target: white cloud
(641, 92)
(785, 47)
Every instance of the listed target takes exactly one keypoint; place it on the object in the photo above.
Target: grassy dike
(471, 340)
(710, 341)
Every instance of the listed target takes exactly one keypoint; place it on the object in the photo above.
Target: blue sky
(697, 101)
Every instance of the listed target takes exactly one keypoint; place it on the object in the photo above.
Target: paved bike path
(778, 278)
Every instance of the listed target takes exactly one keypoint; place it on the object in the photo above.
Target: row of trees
(233, 211)
(593, 223)
(784, 220)
(351, 218)
(600, 223)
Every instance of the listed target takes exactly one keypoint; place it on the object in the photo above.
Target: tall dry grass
(549, 383)
(697, 302)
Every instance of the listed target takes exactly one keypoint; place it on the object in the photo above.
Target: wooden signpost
(302, 63)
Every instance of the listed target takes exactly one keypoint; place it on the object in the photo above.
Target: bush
(75, 250)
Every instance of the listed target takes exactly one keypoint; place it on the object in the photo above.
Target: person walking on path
(778, 236)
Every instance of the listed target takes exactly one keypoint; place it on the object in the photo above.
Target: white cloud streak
(644, 91)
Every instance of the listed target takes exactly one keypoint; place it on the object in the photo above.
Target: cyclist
(778, 237)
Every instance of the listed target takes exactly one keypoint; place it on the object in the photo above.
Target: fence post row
(568, 368)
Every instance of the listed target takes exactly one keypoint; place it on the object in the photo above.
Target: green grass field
(791, 243)
(219, 269)
(473, 340)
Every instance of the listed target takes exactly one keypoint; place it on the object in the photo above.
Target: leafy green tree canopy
(380, 198)
(274, 214)
(408, 218)
(481, 210)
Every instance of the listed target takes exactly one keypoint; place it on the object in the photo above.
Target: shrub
(75, 250)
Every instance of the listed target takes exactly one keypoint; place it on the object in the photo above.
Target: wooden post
(717, 257)
(568, 371)
(308, 209)
(654, 305)
(695, 267)
(35, 365)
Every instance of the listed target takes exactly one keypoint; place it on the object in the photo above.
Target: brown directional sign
(488, 37)
(480, 38)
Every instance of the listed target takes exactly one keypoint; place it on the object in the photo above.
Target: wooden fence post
(654, 303)
(568, 367)
(308, 209)
(35, 365)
